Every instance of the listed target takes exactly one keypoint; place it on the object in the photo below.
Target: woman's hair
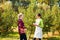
(39, 14)
(19, 15)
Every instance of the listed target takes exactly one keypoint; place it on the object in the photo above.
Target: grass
(15, 36)
(11, 36)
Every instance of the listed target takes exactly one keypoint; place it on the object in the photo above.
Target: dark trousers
(23, 37)
(35, 39)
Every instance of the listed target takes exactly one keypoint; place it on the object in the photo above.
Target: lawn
(15, 36)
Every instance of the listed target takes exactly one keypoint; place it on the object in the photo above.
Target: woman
(21, 27)
(39, 25)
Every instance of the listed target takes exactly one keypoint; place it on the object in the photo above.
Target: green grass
(11, 36)
(15, 36)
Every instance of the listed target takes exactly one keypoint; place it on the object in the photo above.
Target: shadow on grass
(10, 35)
(53, 38)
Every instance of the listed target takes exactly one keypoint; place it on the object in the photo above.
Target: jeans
(23, 36)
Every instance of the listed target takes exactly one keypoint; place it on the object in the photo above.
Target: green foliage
(8, 18)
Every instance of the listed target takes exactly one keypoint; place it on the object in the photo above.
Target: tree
(8, 19)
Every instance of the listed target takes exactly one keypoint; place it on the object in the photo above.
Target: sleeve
(19, 24)
(41, 24)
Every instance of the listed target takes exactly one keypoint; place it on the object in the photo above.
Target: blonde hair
(19, 15)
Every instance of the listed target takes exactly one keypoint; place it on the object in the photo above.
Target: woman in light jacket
(39, 26)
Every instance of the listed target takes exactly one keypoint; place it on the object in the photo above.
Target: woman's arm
(41, 24)
(35, 24)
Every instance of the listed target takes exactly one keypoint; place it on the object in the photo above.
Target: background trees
(49, 10)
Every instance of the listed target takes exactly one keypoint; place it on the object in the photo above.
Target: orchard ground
(15, 36)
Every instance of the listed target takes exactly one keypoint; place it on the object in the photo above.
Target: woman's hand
(25, 30)
(35, 24)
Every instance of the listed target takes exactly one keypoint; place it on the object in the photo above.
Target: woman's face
(21, 17)
(36, 16)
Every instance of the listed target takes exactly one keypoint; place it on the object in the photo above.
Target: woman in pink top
(21, 27)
